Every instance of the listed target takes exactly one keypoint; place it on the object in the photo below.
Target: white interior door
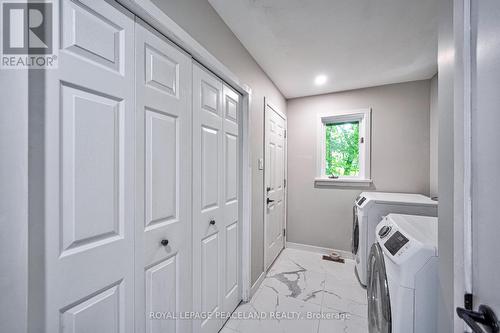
(216, 235)
(231, 191)
(163, 166)
(485, 153)
(89, 238)
(208, 198)
(274, 174)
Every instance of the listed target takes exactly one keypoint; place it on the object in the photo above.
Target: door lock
(269, 201)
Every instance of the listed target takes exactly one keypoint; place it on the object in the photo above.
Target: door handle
(212, 222)
(269, 201)
(164, 242)
(485, 316)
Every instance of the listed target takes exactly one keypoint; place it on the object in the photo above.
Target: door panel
(207, 197)
(231, 253)
(90, 204)
(89, 139)
(162, 287)
(80, 27)
(274, 180)
(210, 167)
(231, 156)
(163, 231)
(99, 313)
(210, 274)
(162, 187)
(215, 198)
(232, 267)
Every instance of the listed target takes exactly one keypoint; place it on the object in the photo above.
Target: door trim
(269, 104)
(455, 54)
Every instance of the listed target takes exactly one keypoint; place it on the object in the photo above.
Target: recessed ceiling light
(320, 79)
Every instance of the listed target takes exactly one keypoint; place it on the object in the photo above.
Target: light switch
(261, 164)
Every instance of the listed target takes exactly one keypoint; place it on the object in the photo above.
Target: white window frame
(363, 116)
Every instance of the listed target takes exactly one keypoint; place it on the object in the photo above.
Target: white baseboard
(257, 284)
(319, 249)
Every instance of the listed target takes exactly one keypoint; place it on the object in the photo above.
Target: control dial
(384, 231)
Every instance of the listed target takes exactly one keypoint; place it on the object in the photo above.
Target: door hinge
(284, 182)
(284, 133)
(284, 232)
(468, 303)
(361, 140)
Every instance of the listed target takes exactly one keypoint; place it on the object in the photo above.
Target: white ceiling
(356, 43)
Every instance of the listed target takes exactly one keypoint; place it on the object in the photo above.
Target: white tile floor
(301, 284)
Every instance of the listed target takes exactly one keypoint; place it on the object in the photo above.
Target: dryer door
(379, 304)
(355, 231)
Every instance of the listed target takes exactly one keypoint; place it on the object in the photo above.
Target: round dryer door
(379, 304)
(355, 231)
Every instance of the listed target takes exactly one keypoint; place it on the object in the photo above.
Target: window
(344, 148)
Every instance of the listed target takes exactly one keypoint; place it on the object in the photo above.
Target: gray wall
(14, 201)
(400, 157)
(201, 21)
(434, 126)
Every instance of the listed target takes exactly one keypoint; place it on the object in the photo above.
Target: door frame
(269, 104)
(455, 59)
(155, 17)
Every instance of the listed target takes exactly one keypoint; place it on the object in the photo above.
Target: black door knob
(164, 242)
(212, 222)
(269, 201)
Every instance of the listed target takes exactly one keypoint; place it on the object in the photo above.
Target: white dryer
(369, 209)
(403, 281)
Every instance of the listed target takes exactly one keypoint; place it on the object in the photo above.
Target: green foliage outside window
(342, 149)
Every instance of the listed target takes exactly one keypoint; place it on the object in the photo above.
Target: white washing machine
(368, 211)
(403, 281)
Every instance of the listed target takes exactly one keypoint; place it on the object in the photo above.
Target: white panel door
(163, 181)
(274, 205)
(208, 198)
(216, 229)
(89, 172)
(231, 288)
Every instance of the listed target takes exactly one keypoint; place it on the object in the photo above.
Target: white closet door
(208, 199)
(216, 234)
(163, 163)
(89, 282)
(231, 287)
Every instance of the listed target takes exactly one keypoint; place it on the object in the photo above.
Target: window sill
(342, 182)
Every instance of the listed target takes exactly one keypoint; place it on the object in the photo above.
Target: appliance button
(384, 231)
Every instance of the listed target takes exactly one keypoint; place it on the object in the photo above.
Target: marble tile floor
(304, 293)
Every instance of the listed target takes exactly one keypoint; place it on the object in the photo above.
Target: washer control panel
(361, 201)
(395, 242)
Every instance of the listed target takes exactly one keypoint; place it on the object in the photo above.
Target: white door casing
(163, 182)
(89, 179)
(274, 181)
(216, 230)
(485, 156)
